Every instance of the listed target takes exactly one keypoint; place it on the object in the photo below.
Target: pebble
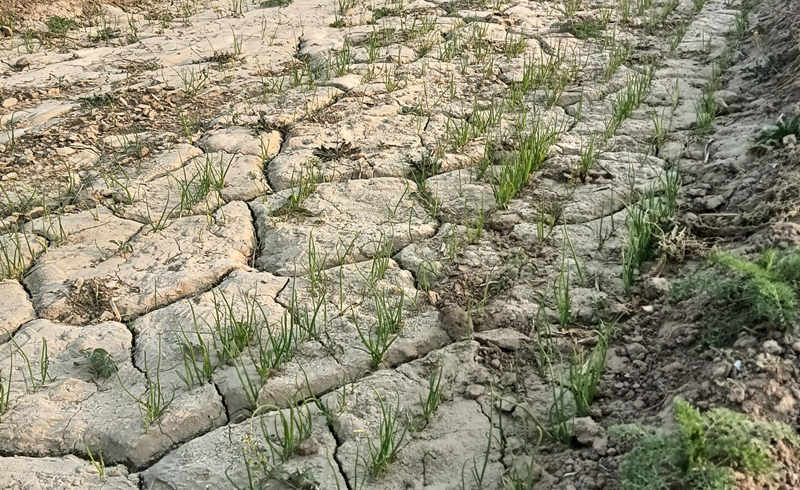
(772, 347)
(10, 102)
(474, 391)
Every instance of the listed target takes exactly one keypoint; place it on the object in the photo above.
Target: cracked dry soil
(241, 241)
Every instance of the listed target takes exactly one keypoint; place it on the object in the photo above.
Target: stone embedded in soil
(76, 408)
(15, 308)
(349, 221)
(219, 458)
(110, 269)
(239, 140)
(64, 472)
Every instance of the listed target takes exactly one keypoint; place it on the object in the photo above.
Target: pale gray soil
(171, 171)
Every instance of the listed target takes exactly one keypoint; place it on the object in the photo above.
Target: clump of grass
(377, 340)
(290, 427)
(275, 3)
(533, 150)
(704, 451)
(586, 369)
(653, 213)
(741, 292)
(391, 434)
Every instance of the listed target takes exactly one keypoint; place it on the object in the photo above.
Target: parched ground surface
(224, 222)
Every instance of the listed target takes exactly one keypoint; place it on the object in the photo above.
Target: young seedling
(290, 427)
(152, 403)
(99, 464)
(44, 365)
(5, 388)
(385, 332)
(585, 371)
(195, 371)
(430, 405)
(390, 438)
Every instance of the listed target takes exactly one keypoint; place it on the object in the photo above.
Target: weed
(16, 249)
(302, 186)
(629, 99)
(390, 438)
(780, 130)
(275, 3)
(279, 345)
(588, 157)
(651, 214)
(742, 292)
(562, 295)
(431, 403)
(706, 110)
(619, 54)
(60, 26)
(101, 364)
(193, 81)
(704, 451)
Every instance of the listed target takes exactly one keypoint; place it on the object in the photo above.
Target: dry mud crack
(352, 245)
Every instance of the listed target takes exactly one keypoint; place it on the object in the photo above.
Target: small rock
(789, 140)
(495, 363)
(648, 308)
(456, 322)
(10, 176)
(308, 447)
(589, 433)
(656, 287)
(10, 102)
(772, 347)
(474, 391)
(720, 370)
(636, 350)
(796, 346)
(786, 405)
(504, 338)
(64, 151)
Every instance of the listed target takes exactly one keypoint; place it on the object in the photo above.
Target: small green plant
(653, 213)
(391, 434)
(704, 451)
(533, 150)
(99, 464)
(44, 365)
(780, 130)
(585, 370)
(562, 295)
(275, 3)
(741, 292)
(377, 340)
(101, 364)
(430, 405)
(5, 387)
(60, 26)
(195, 371)
(290, 427)
(152, 403)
